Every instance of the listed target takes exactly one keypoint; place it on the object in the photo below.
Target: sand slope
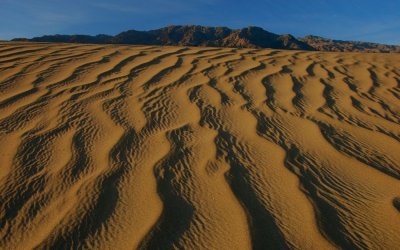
(125, 147)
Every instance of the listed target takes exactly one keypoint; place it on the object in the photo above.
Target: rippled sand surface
(144, 147)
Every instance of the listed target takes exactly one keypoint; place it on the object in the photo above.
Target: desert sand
(146, 147)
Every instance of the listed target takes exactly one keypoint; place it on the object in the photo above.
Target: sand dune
(145, 147)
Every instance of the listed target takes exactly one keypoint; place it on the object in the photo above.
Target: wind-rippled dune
(125, 147)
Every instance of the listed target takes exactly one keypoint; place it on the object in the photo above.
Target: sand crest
(146, 147)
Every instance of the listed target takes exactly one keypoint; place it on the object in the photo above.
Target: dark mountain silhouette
(194, 35)
(325, 44)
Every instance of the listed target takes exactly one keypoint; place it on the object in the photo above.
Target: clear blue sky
(367, 20)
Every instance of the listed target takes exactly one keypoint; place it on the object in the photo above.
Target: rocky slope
(325, 44)
(192, 35)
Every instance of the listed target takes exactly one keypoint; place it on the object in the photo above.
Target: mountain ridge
(196, 35)
(327, 44)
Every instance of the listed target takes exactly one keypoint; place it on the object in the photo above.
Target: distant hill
(325, 44)
(194, 35)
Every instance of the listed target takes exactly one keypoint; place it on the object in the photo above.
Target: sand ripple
(121, 147)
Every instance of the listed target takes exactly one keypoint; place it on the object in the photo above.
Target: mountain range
(195, 35)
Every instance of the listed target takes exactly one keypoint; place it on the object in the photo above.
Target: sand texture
(146, 147)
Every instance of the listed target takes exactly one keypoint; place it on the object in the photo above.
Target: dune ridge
(151, 147)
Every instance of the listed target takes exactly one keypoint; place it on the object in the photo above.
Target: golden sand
(126, 147)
